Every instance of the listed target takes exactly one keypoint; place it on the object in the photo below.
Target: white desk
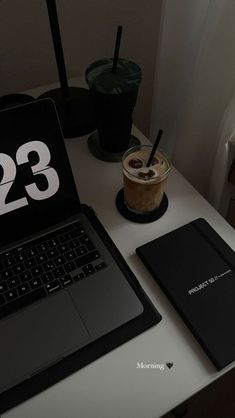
(112, 386)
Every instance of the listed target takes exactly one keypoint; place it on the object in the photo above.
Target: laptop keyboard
(45, 266)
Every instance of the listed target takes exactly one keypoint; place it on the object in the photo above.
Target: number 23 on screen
(10, 169)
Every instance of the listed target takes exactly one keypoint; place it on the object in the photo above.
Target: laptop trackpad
(37, 337)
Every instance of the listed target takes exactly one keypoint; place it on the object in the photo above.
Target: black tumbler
(114, 97)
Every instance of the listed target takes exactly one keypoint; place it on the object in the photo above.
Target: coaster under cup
(104, 155)
(138, 217)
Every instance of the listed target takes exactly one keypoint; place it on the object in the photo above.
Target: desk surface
(113, 386)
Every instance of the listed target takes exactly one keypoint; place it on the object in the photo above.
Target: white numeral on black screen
(41, 168)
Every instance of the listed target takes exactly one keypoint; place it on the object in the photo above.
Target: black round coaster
(11, 100)
(137, 217)
(102, 154)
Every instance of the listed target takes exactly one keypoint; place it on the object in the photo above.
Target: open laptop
(60, 288)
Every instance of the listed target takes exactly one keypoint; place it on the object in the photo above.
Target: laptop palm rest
(29, 344)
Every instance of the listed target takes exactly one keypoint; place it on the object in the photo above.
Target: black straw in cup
(116, 50)
(154, 149)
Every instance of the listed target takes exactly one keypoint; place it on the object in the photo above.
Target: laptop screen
(37, 188)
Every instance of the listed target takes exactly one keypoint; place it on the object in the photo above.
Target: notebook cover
(96, 349)
(196, 269)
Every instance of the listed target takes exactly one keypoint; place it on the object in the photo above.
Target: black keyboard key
(89, 269)
(36, 271)
(87, 258)
(31, 252)
(79, 276)
(6, 274)
(59, 271)
(41, 248)
(81, 230)
(3, 256)
(21, 302)
(64, 238)
(18, 250)
(95, 255)
(20, 257)
(66, 280)
(70, 255)
(19, 268)
(63, 248)
(41, 258)
(13, 282)
(77, 232)
(9, 262)
(11, 295)
(47, 277)
(70, 267)
(53, 286)
(2, 300)
(26, 276)
(81, 251)
(100, 266)
(85, 240)
(52, 243)
(30, 263)
(74, 243)
(3, 287)
(35, 283)
(52, 253)
(23, 289)
(59, 261)
(49, 265)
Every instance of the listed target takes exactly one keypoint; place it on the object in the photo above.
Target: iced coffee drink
(144, 186)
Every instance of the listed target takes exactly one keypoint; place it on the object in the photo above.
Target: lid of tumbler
(100, 77)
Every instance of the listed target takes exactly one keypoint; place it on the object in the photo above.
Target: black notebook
(196, 270)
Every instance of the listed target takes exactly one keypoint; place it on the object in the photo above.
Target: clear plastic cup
(144, 186)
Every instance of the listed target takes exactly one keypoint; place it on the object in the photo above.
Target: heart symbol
(169, 365)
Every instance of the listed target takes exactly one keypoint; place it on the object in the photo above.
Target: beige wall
(88, 29)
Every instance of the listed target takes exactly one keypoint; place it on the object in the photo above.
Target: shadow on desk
(215, 401)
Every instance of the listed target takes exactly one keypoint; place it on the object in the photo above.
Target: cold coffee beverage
(144, 186)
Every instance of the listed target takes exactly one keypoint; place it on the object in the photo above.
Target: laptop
(60, 287)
